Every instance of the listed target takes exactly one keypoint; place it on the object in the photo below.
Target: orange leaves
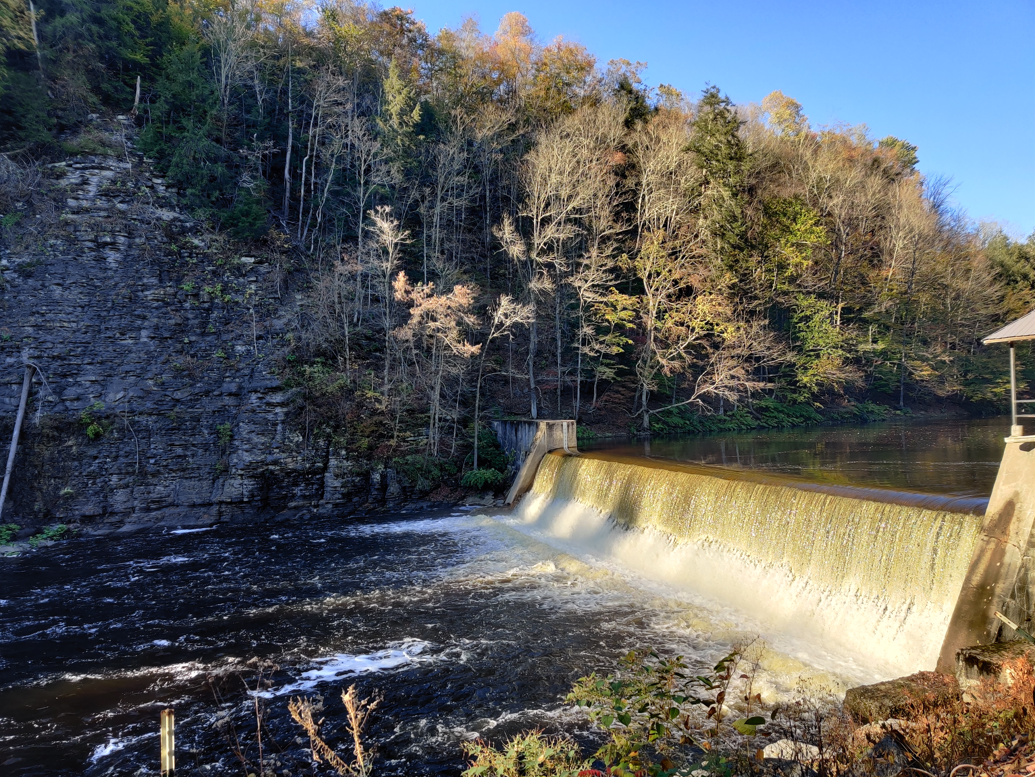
(437, 319)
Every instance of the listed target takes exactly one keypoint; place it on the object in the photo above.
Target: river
(956, 457)
(468, 625)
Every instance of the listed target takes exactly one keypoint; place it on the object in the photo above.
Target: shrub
(225, 433)
(7, 532)
(51, 533)
(482, 479)
(424, 472)
(530, 754)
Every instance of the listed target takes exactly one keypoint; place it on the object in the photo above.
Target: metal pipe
(26, 383)
(1013, 388)
(1015, 430)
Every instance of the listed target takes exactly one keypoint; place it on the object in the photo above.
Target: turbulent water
(467, 625)
(877, 578)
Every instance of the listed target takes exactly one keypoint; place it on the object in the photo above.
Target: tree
(503, 315)
(16, 32)
(389, 238)
(720, 195)
(436, 326)
(785, 116)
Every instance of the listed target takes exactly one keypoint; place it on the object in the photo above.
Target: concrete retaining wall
(1001, 567)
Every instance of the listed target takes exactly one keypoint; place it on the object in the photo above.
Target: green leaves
(748, 726)
(645, 707)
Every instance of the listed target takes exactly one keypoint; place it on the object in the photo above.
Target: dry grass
(358, 711)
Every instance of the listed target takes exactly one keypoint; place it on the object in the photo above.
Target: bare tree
(437, 322)
(666, 173)
(231, 32)
(504, 314)
(389, 238)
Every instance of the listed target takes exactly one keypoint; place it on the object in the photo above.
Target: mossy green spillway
(877, 577)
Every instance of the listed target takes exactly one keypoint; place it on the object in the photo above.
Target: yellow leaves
(785, 114)
(561, 73)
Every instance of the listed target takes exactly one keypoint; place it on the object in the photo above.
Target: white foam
(191, 531)
(858, 636)
(331, 668)
(115, 744)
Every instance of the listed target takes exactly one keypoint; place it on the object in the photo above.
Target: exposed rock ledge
(141, 325)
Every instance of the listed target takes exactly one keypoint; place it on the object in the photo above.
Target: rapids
(467, 625)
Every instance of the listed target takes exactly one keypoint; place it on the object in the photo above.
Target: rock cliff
(157, 398)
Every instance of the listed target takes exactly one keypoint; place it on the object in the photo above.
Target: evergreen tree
(721, 195)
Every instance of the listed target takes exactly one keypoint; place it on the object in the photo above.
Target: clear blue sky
(955, 78)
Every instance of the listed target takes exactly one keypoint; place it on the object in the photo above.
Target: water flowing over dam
(875, 578)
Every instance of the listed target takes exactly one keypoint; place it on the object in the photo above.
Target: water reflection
(958, 457)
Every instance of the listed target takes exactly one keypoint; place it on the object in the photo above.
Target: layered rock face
(157, 399)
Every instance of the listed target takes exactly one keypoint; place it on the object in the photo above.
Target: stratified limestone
(904, 697)
(137, 321)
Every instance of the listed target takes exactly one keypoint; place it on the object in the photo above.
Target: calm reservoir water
(958, 457)
(468, 625)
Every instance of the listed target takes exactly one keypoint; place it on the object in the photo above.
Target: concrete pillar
(549, 436)
(999, 554)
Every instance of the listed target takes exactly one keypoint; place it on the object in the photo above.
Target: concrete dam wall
(906, 577)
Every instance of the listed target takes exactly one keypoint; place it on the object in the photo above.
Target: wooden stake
(168, 737)
(26, 383)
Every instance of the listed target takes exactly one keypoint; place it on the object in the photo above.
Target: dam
(904, 578)
(475, 625)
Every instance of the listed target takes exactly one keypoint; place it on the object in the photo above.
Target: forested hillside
(485, 224)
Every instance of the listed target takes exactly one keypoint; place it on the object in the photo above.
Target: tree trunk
(533, 405)
(290, 141)
(36, 39)
(557, 340)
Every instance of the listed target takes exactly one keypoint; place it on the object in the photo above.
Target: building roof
(1021, 329)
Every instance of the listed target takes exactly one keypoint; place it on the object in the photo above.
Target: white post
(1016, 430)
(168, 744)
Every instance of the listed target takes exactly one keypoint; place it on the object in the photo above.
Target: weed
(51, 534)
(187, 286)
(218, 292)
(7, 532)
(358, 712)
(96, 427)
(530, 754)
(225, 433)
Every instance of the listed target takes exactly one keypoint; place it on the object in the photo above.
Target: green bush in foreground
(530, 754)
(645, 711)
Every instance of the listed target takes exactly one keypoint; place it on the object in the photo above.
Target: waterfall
(873, 579)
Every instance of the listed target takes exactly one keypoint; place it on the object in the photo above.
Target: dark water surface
(462, 625)
(957, 457)
(467, 625)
